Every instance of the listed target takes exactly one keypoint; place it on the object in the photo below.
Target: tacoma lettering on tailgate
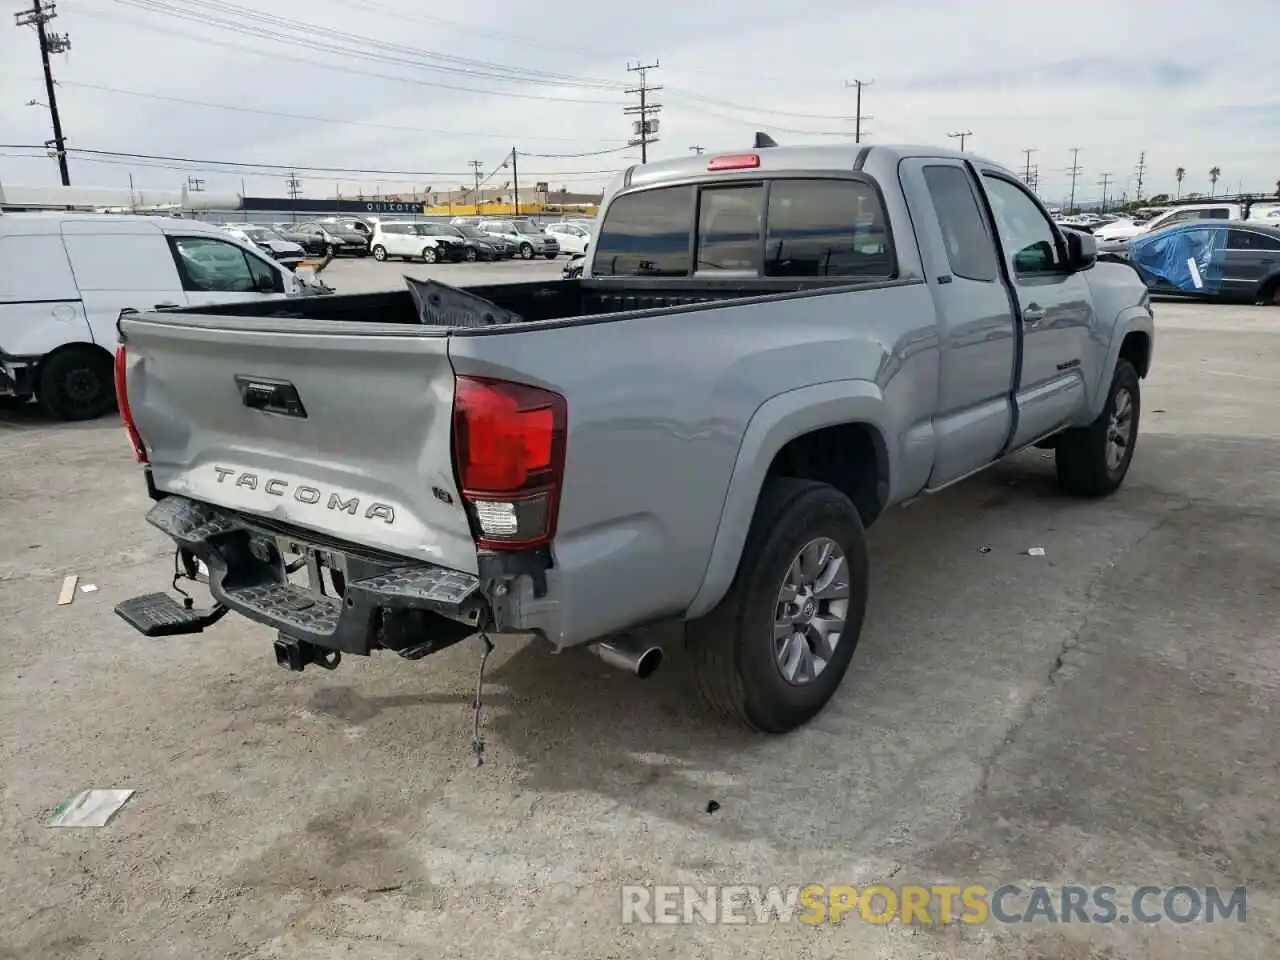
(274, 486)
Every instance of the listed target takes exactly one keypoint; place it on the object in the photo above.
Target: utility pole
(1074, 170)
(515, 179)
(857, 108)
(294, 186)
(195, 184)
(1026, 177)
(1104, 182)
(475, 170)
(1140, 171)
(962, 136)
(1035, 178)
(38, 16)
(696, 149)
(643, 130)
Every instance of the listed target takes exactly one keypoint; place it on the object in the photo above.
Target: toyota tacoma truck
(766, 350)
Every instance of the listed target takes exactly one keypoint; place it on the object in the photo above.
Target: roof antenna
(764, 140)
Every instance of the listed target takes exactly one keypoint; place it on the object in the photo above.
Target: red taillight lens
(508, 448)
(122, 401)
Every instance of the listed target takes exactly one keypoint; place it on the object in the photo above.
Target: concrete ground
(1104, 714)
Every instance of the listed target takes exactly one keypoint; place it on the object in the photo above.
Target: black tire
(732, 647)
(1269, 293)
(331, 251)
(77, 384)
(551, 256)
(380, 253)
(1081, 453)
(429, 255)
(526, 251)
(471, 256)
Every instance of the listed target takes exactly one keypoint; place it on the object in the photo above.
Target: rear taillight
(122, 401)
(508, 450)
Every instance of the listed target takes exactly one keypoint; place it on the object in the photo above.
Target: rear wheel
(1269, 294)
(76, 384)
(773, 651)
(526, 251)
(428, 254)
(1092, 461)
(380, 253)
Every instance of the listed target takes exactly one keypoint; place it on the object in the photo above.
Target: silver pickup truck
(767, 350)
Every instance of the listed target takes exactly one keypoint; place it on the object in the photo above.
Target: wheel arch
(835, 432)
(1132, 339)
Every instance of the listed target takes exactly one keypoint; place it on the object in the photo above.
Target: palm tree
(1214, 174)
(1178, 175)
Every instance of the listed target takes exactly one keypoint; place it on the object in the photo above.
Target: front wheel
(76, 384)
(526, 251)
(1092, 461)
(380, 253)
(428, 254)
(471, 255)
(551, 256)
(330, 251)
(774, 650)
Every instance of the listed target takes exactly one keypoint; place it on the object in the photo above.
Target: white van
(64, 278)
(1127, 229)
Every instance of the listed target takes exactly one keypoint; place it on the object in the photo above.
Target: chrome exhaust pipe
(627, 653)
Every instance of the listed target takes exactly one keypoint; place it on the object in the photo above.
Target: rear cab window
(779, 227)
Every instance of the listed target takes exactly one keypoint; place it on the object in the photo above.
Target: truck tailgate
(336, 427)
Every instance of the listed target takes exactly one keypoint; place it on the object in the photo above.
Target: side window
(729, 223)
(646, 234)
(266, 279)
(826, 228)
(970, 248)
(1248, 240)
(209, 265)
(1216, 214)
(1181, 216)
(1026, 235)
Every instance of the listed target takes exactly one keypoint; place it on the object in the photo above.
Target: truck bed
(535, 301)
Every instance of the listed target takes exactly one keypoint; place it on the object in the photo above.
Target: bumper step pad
(160, 615)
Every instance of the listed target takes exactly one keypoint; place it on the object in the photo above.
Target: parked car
(571, 237)
(527, 237)
(312, 243)
(268, 241)
(573, 269)
(465, 221)
(477, 245)
(768, 349)
(66, 277)
(414, 241)
(1128, 229)
(338, 240)
(1216, 259)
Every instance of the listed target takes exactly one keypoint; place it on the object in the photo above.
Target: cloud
(435, 88)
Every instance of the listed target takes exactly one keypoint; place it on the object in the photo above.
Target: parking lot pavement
(349, 275)
(1102, 714)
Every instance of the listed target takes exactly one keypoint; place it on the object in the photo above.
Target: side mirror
(1082, 249)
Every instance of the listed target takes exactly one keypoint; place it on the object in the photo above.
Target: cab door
(1054, 307)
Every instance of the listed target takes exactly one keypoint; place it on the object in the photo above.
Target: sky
(370, 96)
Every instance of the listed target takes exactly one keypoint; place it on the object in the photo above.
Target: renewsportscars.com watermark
(930, 905)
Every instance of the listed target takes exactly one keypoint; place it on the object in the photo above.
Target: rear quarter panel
(659, 405)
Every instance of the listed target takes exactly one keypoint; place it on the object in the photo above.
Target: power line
(240, 48)
(858, 117)
(250, 166)
(644, 129)
(962, 135)
(1074, 170)
(312, 118)
(39, 18)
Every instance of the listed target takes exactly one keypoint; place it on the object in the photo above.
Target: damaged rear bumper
(376, 600)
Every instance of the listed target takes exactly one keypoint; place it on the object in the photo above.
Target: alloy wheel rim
(810, 611)
(1119, 429)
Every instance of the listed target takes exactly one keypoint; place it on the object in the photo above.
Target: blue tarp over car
(1189, 259)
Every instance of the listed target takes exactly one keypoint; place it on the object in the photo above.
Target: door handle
(1033, 314)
